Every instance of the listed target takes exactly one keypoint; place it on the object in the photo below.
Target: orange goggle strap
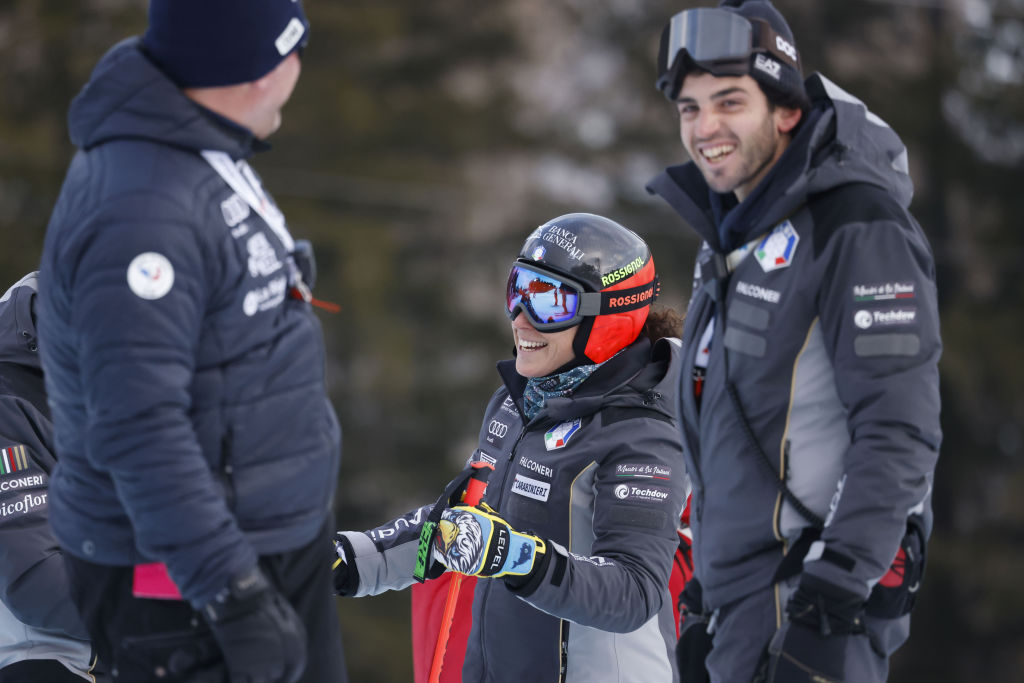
(630, 299)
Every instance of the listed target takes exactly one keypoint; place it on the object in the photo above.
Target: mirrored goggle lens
(545, 299)
(708, 35)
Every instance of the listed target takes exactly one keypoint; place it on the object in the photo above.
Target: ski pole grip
(472, 496)
(473, 486)
(477, 483)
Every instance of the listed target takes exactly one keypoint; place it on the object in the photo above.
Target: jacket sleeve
(879, 318)
(33, 584)
(137, 350)
(385, 556)
(623, 582)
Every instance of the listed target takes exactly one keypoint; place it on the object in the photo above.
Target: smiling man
(731, 131)
(810, 402)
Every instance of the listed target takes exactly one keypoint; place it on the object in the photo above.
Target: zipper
(563, 650)
(784, 469)
(227, 469)
(697, 508)
(497, 508)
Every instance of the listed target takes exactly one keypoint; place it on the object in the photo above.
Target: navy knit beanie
(208, 43)
(766, 69)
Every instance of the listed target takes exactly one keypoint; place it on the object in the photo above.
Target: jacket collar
(719, 219)
(592, 394)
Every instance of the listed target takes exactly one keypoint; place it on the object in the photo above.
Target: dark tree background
(426, 139)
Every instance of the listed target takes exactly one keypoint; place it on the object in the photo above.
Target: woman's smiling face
(538, 354)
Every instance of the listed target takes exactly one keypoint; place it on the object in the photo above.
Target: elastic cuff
(525, 585)
(832, 592)
(361, 543)
(346, 581)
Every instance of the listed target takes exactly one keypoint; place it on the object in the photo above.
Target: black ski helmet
(603, 257)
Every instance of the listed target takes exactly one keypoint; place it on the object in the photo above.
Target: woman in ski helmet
(574, 536)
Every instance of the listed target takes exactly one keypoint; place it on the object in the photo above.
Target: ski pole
(474, 494)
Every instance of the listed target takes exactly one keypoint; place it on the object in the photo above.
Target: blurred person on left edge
(198, 451)
(42, 639)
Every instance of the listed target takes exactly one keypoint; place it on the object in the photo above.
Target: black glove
(343, 568)
(260, 635)
(894, 595)
(811, 645)
(694, 642)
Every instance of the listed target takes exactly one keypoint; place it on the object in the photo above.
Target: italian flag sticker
(559, 435)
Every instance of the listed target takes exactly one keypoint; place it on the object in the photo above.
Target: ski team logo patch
(234, 209)
(481, 456)
(150, 275)
(777, 248)
(559, 435)
(13, 460)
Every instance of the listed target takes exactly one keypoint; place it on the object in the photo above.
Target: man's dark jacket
(828, 349)
(191, 415)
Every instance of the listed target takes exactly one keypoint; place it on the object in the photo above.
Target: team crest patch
(150, 275)
(559, 435)
(13, 459)
(776, 250)
(481, 456)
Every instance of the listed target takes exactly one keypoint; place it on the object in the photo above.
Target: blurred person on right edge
(568, 552)
(810, 386)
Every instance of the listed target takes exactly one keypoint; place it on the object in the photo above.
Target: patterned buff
(540, 389)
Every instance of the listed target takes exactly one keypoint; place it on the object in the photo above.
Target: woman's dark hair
(663, 322)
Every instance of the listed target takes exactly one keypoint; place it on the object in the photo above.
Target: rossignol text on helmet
(583, 269)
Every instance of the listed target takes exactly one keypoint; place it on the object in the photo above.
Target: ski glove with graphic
(259, 633)
(343, 567)
(811, 646)
(477, 542)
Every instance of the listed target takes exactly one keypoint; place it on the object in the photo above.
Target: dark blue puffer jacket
(187, 385)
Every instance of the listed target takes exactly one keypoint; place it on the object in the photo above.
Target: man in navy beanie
(810, 398)
(198, 451)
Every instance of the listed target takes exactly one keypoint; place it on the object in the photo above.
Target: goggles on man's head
(718, 41)
(553, 302)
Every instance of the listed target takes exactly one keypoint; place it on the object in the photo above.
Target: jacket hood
(18, 343)
(840, 143)
(128, 97)
(855, 145)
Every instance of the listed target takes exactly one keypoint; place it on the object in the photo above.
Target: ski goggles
(718, 41)
(554, 302)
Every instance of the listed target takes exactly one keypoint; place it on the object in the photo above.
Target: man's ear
(786, 119)
(263, 82)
